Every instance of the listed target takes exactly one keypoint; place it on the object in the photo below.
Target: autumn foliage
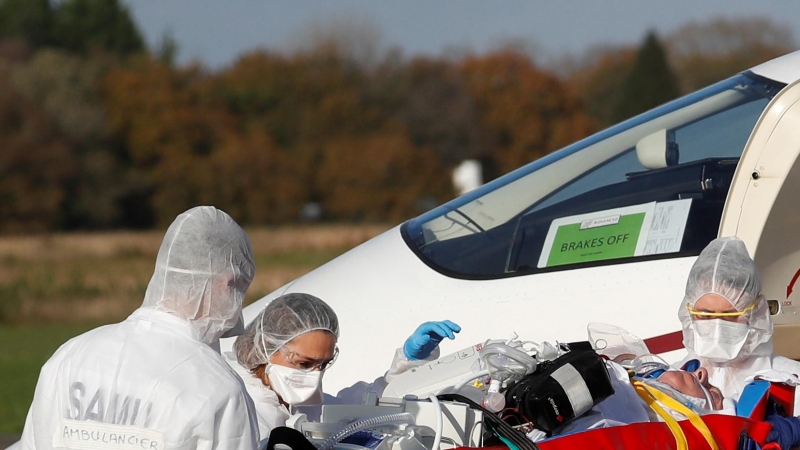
(274, 132)
(103, 134)
(524, 112)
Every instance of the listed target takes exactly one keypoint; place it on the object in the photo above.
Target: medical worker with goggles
(155, 380)
(726, 321)
(284, 352)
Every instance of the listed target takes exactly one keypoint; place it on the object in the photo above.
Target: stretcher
(730, 433)
(459, 417)
(746, 431)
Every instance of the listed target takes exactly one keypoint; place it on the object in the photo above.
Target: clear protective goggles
(307, 364)
(653, 371)
(647, 366)
(652, 366)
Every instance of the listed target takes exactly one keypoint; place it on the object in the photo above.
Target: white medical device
(502, 361)
(435, 376)
(409, 416)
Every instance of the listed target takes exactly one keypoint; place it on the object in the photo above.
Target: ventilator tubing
(388, 419)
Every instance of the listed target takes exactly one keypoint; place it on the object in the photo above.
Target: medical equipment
(465, 391)
(561, 391)
(396, 424)
(434, 376)
(501, 361)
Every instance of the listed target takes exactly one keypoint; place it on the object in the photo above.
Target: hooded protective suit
(153, 381)
(282, 320)
(725, 268)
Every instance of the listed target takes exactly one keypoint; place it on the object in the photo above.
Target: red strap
(784, 395)
(665, 343)
(657, 436)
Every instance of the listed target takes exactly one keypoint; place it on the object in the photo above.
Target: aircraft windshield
(653, 185)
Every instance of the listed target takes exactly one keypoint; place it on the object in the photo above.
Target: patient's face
(692, 383)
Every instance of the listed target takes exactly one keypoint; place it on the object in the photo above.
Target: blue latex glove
(785, 431)
(427, 336)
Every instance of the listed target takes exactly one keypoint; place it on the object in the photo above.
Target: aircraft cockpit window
(665, 172)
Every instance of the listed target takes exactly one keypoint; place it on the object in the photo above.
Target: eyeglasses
(719, 315)
(308, 364)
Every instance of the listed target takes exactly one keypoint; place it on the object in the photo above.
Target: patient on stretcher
(694, 386)
(689, 389)
(644, 386)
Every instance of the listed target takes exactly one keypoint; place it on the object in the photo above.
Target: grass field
(55, 287)
(25, 349)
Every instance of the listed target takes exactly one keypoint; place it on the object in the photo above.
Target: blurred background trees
(702, 53)
(649, 83)
(98, 132)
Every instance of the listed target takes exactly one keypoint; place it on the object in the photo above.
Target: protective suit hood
(203, 269)
(725, 268)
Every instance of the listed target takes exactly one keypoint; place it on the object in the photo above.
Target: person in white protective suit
(726, 321)
(153, 381)
(284, 352)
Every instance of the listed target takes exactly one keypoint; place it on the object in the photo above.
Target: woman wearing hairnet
(286, 349)
(726, 320)
(154, 380)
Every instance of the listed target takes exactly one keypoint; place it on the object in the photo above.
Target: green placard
(573, 245)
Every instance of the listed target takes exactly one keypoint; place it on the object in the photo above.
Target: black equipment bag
(562, 389)
(288, 437)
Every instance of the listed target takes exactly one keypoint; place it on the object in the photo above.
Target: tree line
(99, 132)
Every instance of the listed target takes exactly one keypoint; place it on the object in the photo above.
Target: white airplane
(604, 230)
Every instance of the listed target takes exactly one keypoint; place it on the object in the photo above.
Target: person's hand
(785, 431)
(427, 336)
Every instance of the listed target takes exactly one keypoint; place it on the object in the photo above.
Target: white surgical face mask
(697, 402)
(707, 395)
(296, 387)
(719, 340)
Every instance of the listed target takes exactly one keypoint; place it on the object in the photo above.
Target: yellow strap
(677, 432)
(670, 402)
(693, 417)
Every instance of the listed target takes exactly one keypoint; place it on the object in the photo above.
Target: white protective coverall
(725, 268)
(271, 413)
(282, 320)
(153, 381)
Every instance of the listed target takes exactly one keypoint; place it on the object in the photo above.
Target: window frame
(406, 228)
